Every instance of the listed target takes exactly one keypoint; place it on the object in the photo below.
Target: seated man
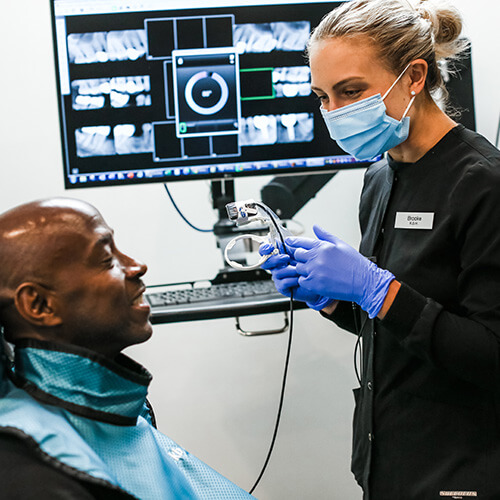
(74, 420)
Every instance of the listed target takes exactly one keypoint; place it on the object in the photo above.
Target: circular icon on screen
(206, 93)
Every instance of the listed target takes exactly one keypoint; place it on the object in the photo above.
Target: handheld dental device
(245, 212)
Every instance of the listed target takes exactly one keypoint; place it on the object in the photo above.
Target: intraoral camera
(249, 211)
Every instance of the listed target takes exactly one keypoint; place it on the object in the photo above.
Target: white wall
(215, 392)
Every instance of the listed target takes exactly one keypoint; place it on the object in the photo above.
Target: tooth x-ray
(260, 130)
(292, 82)
(104, 140)
(119, 92)
(268, 37)
(101, 47)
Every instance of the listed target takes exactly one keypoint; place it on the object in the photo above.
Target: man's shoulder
(26, 475)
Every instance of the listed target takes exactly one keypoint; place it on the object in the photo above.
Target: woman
(427, 417)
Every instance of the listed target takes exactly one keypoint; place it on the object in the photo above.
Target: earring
(412, 92)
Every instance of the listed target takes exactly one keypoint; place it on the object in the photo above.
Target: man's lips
(138, 300)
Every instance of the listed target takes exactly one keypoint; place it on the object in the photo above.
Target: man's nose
(133, 268)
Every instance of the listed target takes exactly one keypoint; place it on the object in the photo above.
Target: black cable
(359, 332)
(282, 397)
(358, 342)
(182, 215)
(272, 216)
(287, 360)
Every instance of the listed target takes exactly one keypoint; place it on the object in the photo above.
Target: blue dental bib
(90, 414)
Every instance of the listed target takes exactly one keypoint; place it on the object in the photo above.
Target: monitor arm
(286, 195)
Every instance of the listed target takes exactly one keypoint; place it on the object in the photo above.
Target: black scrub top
(427, 417)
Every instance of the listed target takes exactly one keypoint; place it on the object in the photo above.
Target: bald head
(38, 237)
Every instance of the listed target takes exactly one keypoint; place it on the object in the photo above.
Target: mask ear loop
(412, 92)
(409, 104)
(397, 80)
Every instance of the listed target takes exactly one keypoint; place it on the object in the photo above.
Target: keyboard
(208, 300)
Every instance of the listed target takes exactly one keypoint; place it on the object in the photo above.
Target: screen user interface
(151, 90)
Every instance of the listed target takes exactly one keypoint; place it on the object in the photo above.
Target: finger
(284, 286)
(275, 262)
(265, 249)
(306, 243)
(307, 283)
(302, 269)
(324, 235)
(301, 256)
(285, 272)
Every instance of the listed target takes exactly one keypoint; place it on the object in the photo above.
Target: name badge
(414, 220)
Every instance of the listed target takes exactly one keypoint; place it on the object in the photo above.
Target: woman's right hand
(286, 279)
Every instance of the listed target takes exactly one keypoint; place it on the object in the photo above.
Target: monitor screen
(164, 90)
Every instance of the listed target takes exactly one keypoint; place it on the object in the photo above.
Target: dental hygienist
(425, 285)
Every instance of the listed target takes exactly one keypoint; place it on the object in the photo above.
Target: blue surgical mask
(364, 130)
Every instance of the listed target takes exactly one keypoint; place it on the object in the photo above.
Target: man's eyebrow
(103, 240)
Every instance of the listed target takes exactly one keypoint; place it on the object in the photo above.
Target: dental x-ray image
(268, 37)
(103, 140)
(94, 141)
(130, 139)
(261, 130)
(101, 47)
(119, 92)
(292, 81)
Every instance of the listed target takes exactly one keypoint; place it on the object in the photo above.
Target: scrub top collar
(397, 166)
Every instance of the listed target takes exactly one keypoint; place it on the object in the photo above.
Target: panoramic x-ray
(258, 38)
(276, 129)
(100, 47)
(119, 92)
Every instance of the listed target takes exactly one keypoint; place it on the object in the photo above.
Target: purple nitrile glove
(329, 267)
(285, 277)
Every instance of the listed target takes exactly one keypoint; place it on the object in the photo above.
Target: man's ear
(37, 305)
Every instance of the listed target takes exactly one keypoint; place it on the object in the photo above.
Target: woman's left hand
(329, 267)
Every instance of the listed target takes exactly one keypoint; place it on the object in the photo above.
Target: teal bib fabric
(90, 414)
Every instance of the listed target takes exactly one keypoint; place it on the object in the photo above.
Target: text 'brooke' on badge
(414, 220)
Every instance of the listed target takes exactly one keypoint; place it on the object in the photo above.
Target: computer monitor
(169, 90)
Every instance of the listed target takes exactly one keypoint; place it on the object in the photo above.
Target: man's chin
(142, 336)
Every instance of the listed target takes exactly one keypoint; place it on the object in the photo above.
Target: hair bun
(446, 25)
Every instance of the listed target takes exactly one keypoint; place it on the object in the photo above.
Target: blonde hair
(403, 32)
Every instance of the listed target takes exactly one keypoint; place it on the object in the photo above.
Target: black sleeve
(25, 477)
(343, 316)
(466, 345)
